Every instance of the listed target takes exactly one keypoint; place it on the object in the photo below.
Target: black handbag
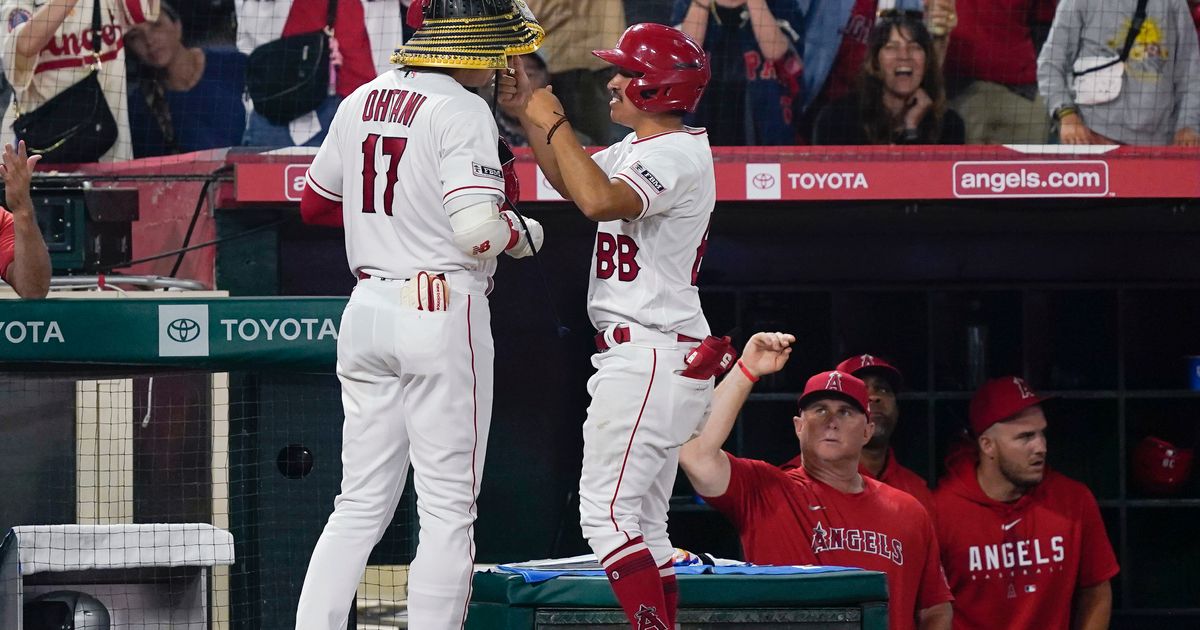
(289, 77)
(75, 126)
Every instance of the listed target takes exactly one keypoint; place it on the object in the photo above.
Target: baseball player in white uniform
(411, 165)
(652, 195)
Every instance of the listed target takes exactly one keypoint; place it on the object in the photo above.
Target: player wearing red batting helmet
(670, 70)
(824, 511)
(652, 195)
(1023, 546)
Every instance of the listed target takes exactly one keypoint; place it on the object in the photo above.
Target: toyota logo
(763, 181)
(183, 330)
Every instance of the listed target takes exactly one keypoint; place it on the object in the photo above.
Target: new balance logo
(647, 618)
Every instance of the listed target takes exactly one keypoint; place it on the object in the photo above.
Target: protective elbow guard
(480, 231)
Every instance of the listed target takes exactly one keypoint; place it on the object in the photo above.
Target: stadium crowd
(785, 72)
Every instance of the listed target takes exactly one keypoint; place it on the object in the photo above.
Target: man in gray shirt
(1159, 89)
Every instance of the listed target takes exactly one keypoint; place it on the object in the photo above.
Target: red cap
(1159, 467)
(1000, 399)
(865, 364)
(836, 384)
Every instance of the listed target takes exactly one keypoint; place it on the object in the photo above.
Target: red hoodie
(1017, 565)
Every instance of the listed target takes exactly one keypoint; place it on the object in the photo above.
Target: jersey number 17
(393, 148)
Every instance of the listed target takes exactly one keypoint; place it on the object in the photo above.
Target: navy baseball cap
(836, 384)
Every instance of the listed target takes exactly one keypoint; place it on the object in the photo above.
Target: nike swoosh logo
(814, 508)
(1011, 525)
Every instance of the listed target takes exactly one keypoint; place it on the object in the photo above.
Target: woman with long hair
(900, 99)
(182, 98)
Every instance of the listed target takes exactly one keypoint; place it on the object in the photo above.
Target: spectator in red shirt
(823, 512)
(1024, 547)
(878, 461)
(24, 260)
(992, 64)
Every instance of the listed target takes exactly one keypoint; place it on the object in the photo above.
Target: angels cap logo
(835, 381)
(866, 360)
(1022, 387)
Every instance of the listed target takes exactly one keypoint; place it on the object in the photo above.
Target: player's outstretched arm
(515, 94)
(702, 459)
(564, 159)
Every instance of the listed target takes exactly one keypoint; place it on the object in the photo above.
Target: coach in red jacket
(1023, 546)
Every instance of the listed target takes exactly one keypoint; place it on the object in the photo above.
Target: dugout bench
(827, 601)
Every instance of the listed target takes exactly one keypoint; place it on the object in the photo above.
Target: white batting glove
(521, 248)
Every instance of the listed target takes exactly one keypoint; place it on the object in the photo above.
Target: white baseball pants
(641, 412)
(416, 386)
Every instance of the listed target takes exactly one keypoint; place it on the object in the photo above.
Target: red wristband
(746, 371)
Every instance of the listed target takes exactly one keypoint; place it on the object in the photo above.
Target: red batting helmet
(1160, 467)
(671, 69)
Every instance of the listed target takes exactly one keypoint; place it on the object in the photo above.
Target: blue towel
(533, 576)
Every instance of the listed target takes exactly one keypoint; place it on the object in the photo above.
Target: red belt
(362, 275)
(621, 335)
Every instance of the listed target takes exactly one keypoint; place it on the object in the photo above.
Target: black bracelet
(550, 134)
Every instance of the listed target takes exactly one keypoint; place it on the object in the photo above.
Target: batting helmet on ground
(670, 69)
(1161, 467)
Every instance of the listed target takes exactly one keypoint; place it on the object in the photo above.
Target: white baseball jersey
(66, 59)
(644, 270)
(416, 383)
(425, 140)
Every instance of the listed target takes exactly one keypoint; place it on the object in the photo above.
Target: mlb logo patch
(648, 177)
(486, 171)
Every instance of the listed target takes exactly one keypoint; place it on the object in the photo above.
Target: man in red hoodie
(1023, 546)
(825, 511)
(878, 460)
